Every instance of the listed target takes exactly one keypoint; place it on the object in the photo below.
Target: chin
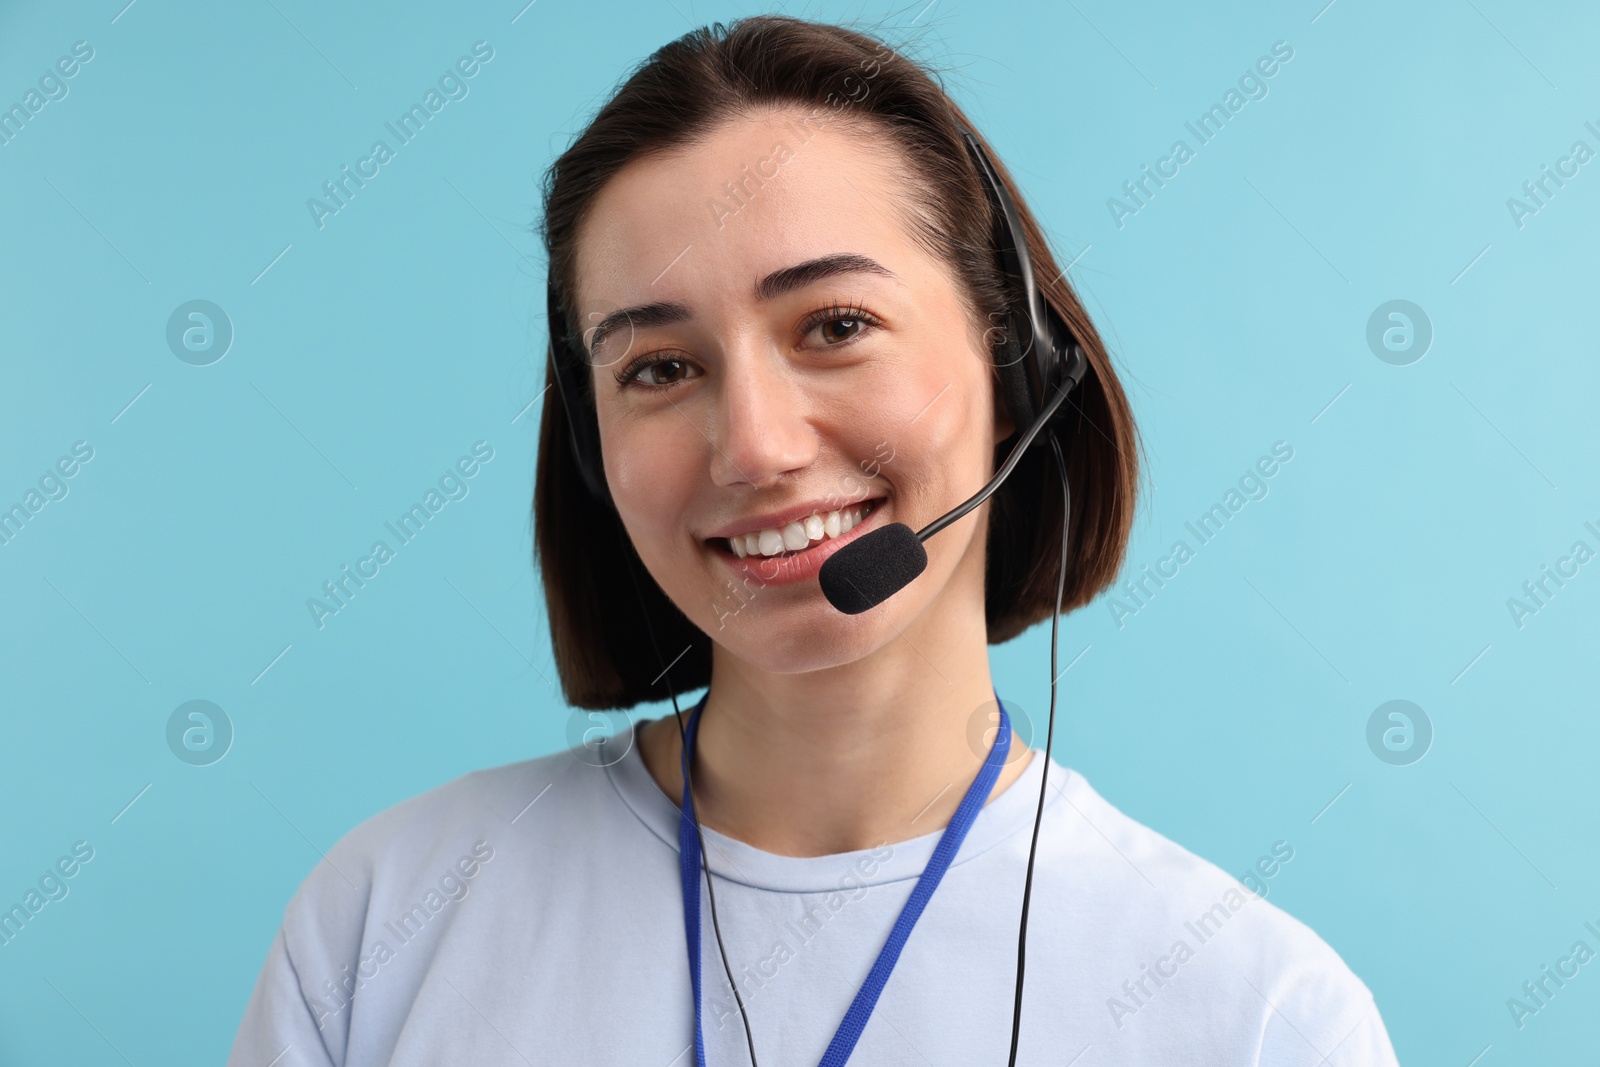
(799, 638)
(798, 657)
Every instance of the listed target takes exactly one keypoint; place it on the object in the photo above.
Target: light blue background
(1227, 713)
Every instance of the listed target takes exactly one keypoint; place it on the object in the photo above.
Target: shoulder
(432, 845)
(1201, 945)
(395, 887)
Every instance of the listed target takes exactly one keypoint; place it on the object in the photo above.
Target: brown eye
(666, 372)
(659, 373)
(835, 330)
(837, 326)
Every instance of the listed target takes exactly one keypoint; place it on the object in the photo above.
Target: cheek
(935, 418)
(654, 471)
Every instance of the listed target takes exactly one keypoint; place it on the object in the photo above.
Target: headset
(1041, 364)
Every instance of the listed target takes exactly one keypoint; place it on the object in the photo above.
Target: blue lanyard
(855, 1020)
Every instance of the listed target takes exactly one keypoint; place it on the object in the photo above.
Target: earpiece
(1040, 351)
(572, 381)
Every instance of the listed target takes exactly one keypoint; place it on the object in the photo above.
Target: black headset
(1037, 356)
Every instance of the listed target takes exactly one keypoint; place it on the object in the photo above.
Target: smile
(800, 535)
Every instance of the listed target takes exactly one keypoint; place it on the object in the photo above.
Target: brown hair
(614, 633)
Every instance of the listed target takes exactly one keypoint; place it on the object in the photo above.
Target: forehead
(758, 193)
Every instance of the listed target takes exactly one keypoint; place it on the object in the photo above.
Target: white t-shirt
(532, 914)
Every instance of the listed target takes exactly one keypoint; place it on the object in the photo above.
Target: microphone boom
(876, 566)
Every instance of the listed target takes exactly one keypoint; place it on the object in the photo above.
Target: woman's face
(775, 357)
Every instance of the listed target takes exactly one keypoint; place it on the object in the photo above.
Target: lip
(802, 565)
(777, 520)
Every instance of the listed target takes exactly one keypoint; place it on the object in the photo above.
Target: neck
(878, 750)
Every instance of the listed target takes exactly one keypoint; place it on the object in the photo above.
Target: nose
(763, 424)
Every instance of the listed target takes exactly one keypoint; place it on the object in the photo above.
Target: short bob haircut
(618, 640)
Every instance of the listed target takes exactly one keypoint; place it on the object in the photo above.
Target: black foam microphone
(877, 565)
(872, 568)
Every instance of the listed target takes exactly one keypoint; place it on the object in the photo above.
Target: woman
(776, 263)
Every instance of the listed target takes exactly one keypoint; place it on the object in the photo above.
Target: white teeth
(802, 533)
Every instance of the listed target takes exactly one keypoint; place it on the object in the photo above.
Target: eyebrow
(774, 285)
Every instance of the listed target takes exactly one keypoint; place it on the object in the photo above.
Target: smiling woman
(881, 333)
